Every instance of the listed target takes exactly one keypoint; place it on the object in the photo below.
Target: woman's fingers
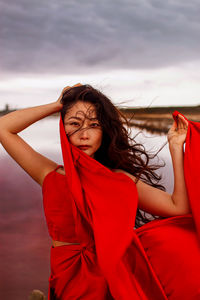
(66, 88)
(77, 84)
(178, 131)
(182, 122)
(69, 87)
(174, 126)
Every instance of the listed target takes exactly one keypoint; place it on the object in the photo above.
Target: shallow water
(25, 244)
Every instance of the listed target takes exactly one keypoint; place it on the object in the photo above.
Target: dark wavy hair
(118, 149)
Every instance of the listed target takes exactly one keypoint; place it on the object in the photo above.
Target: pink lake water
(24, 241)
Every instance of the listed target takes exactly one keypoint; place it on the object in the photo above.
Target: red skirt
(172, 249)
(75, 274)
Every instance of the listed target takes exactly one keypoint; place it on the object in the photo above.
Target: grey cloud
(52, 36)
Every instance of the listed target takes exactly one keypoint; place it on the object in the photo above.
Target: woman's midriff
(59, 243)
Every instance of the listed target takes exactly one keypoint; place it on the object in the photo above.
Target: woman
(91, 204)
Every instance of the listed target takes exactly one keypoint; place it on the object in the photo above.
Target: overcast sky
(135, 51)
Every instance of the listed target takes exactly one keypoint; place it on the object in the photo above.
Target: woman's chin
(88, 152)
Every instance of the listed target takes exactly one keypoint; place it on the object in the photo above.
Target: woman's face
(83, 128)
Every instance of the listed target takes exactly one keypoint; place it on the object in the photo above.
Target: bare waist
(60, 243)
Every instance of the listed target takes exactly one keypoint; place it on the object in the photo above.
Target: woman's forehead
(82, 109)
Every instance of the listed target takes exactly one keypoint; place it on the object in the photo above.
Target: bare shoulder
(53, 167)
(125, 172)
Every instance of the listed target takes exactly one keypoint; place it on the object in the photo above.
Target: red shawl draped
(110, 255)
(191, 168)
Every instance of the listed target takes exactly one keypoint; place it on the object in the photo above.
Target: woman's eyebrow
(75, 118)
(93, 119)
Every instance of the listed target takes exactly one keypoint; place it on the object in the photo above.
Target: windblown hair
(118, 149)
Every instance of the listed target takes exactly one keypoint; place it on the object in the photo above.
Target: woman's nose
(84, 133)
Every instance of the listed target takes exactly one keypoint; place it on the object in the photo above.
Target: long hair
(118, 149)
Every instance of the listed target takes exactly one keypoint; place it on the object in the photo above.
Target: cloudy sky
(139, 52)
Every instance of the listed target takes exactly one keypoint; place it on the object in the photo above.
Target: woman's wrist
(176, 148)
(57, 106)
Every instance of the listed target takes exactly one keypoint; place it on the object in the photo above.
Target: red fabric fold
(105, 206)
(191, 168)
(114, 261)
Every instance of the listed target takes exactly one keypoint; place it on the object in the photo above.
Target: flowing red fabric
(191, 168)
(114, 261)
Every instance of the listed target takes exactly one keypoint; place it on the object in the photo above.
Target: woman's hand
(63, 91)
(177, 133)
(176, 137)
(61, 95)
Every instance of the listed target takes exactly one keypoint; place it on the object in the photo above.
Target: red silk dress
(96, 207)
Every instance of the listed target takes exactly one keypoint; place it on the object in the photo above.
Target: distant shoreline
(153, 119)
(191, 110)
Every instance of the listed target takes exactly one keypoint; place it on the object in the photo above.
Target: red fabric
(191, 168)
(172, 248)
(114, 261)
(58, 208)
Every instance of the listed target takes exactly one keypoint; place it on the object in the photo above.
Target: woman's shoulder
(52, 171)
(125, 172)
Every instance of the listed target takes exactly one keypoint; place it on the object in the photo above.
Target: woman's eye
(95, 124)
(75, 124)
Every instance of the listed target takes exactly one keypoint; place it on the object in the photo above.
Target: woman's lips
(84, 147)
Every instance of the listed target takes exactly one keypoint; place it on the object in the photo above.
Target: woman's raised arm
(176, 137)
(35, 164)
(158, 202)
